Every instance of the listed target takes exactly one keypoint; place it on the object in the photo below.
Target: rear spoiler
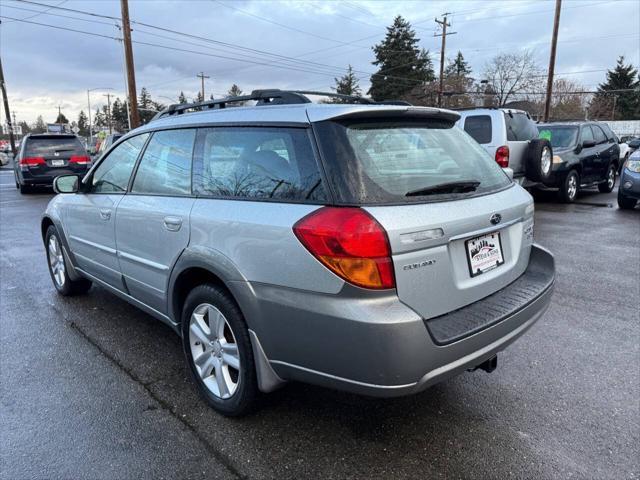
(385, 111)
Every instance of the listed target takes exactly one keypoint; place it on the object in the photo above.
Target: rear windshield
(392, 161)
(48, 145)
(558, 136)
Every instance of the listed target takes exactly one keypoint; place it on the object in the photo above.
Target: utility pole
(444, 34)
(134, 120)
(552, 61)
(108, 95)
(5, 100)
(202, 76)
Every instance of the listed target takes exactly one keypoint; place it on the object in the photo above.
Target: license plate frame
(57, 163)
(492, 249)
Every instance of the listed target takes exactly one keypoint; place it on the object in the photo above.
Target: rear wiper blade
(462, 186)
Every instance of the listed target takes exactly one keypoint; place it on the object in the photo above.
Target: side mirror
(66, 184)
(588, 143)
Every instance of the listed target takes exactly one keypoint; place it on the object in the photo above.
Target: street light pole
(89, 107)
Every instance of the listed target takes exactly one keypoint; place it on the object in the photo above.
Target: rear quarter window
(261, 163)
(479, 127)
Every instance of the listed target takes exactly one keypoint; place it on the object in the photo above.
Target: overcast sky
(282, 44)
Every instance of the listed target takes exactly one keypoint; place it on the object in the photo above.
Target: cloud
(47, 67)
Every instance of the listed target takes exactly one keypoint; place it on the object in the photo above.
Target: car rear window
(520, 127)
(479, 127)
(39, 146)
(559, 136)
(380, 162)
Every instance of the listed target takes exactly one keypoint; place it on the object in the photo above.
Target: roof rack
(266, 97)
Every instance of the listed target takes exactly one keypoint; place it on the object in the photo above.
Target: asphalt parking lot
(94, 388)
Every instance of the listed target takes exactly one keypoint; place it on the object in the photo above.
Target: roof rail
(263, 97)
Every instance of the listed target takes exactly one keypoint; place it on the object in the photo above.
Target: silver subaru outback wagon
(364, 247)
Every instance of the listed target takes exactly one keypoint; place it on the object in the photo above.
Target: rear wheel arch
(188, 278)
(44, 226)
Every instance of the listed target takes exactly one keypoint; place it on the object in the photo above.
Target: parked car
(586, 155)
(42, 157)
(629, 189)
(634, 144)
(510, 136)
(4, 159)
(386, 257)
(106, 143)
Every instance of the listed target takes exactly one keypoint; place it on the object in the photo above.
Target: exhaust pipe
(488, 365)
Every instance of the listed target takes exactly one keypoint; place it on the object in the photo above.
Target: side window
(479, 127)
(520, 127)
(113, 173)
(598, 134)
(586, 134)
(165, 167)
(256, 163)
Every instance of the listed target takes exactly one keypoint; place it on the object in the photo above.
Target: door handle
(172, 224)
(105, 213)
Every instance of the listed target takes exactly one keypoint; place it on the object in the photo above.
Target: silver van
(364, 247)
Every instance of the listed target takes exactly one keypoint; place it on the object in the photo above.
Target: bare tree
(566, 104)
(511, 74)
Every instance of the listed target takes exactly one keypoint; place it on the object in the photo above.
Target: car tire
(626, 203)
(24, 189)
(569, 187)
(58, 267)
(609, 184)
(220, 359)
(539, 160)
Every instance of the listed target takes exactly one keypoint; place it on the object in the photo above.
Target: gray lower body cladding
(371, 343)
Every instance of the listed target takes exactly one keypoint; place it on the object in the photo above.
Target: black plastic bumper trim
(533, 283)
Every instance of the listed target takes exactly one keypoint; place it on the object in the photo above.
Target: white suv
(511, 138)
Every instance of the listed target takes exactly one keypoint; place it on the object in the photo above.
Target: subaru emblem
(496, 218)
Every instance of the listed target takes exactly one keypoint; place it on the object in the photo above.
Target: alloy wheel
(611, 177)
(572, 186)
(56, 261)
(214, 350)
(545, 160)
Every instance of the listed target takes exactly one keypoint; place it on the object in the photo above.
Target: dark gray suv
(365, 247)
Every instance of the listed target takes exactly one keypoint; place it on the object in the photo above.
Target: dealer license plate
(484, 253)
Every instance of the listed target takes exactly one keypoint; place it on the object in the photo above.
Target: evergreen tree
(39, 126)
(100, 117)
(198, 98)
(61, 118)
(234, 91)
(458, 81)
(625, 104)
(83, 124)
(182, 98)
(459, 67)
(347, 85)
(402, 65)
(25, 127)
(144, 99)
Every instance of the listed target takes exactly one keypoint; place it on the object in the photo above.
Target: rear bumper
(47, 177)
(371, 343)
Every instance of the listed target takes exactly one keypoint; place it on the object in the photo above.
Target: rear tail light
(350, 243)
(79, 159)
(32, 161)
(502, 156)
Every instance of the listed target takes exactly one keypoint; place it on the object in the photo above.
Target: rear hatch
(62, 154)
(459, 230)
